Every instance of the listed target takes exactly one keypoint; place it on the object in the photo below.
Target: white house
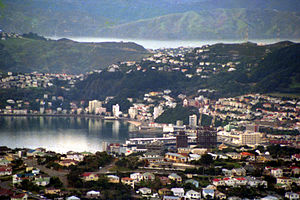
(93, 194)
(144, 191)
(291, 195)
(137, 176)
(218, 182)
(178, 192)
(276, 172)
(192, 194)
(72, 198)
(229, 181)
(269, 197)
(240, 181)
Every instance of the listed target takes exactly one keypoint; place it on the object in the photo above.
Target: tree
(55, 182)
(206, 159)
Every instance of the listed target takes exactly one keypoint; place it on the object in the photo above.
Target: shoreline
(73, 115)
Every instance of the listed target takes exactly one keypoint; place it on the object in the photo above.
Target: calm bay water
(156, 44)
(62, 134)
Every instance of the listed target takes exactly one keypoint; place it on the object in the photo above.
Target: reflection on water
(61, 134)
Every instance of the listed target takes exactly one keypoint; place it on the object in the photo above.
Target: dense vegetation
(98, 86)
(34, 53)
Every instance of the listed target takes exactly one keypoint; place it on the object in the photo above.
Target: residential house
(22, 196)
(208, 193)
(239, 172)
(229, 182)
(42, 181)
(292, 195)
(67, 163)
(113, 179)
(73, 156)
(144, 191)
(164, 192)
(218, 182)
(269, 197)
(192, 194)
(234, 156)
(147, 176)
(192, 181)
(18, 178)
(176, 157)
(93, 194)
(284, 181)
(164, 180)
(128, 181)
(137, 177)
(178, 192)
(254, 182)
(72, 198)
(5, 171)
(276, 172)
(4, 162)
(52, 190)
(296, 157)
(295, 170)
(89, 176)
(171, 198)
(175, 177)
(227, 172)
(220, 195)
(240, 181)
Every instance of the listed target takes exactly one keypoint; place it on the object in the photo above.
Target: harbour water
(62, 134)
(156, 44)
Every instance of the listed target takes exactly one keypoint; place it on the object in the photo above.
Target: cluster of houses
(173, 183)
(190, 61)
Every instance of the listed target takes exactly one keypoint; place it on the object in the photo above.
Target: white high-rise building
(93, 105)
(116, 110)
(193, 121)
(132, 111)
(157, 111)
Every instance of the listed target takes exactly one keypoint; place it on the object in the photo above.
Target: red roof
(18, 196)
(240, 179)
(216, 180)
(225, 179)
(127, 179)
(247, 154)
(297, 155)
(5, 169)
(88, 174)
(295, 167)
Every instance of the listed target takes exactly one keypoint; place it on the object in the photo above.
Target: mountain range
(155, 19)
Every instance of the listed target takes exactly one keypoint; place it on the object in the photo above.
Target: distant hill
(63, 56)
(273, 68)
(158, 19)
(279, 71)
(212, 24)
